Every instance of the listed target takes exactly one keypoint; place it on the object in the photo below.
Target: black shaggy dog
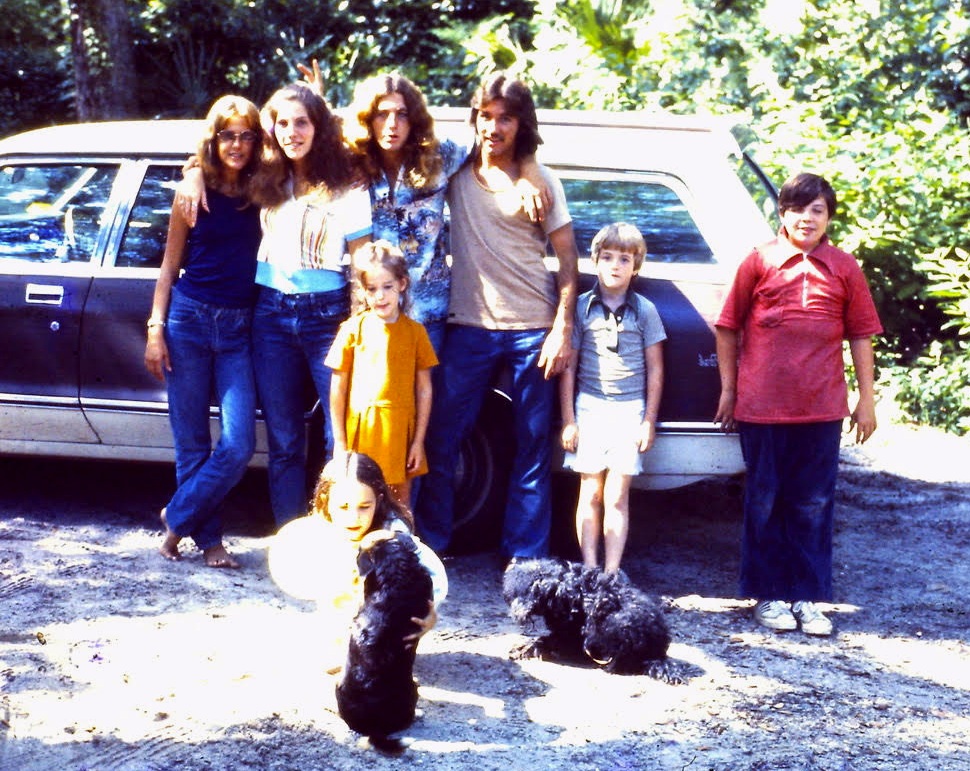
(377, 694)
(590, 615)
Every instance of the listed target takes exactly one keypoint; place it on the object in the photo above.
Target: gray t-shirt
(612, 346)
(499, 279)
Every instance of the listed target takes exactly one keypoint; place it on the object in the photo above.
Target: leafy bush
(933, 389)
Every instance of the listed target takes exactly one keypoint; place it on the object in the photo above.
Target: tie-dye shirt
(414, 220)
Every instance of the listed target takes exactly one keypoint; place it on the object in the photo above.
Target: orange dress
(382, 361)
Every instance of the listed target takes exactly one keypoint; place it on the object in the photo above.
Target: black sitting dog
(377, 694)
(590, 615)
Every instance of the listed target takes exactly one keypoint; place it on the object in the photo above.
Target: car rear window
(648, 201)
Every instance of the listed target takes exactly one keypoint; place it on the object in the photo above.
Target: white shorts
(608, 434)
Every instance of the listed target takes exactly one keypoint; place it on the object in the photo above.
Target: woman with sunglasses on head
(199, 330)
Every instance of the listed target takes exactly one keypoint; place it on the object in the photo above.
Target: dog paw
(528, 650)
(388, 745)
(665, 672)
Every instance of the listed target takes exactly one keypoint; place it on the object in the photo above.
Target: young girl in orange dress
(380, 394)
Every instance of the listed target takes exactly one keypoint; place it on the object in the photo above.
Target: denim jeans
(210, 351)
(789, 499)
(292, 335)
(469, 361)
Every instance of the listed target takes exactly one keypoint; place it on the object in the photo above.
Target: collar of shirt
(596, 298)
(781, 250)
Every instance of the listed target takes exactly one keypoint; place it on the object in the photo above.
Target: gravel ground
(112, 658)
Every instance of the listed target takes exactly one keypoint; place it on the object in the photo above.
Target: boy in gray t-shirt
(610, 393)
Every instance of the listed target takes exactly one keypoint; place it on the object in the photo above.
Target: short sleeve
(341, 355)
(558, 215)
(653, 327)
(576, 341)
(741, 292)
(426, 356)
(355, 213)
(861, 317)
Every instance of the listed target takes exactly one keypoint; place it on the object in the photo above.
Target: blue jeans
(292, 335)
(789, 499)
(470, 359)
(436, 334)
(210, 350)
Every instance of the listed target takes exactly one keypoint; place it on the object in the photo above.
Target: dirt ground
(112, 658)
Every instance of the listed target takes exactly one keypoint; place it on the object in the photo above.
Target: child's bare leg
(402, 493)
(170, 545)
(218, 557)
(589, 516)
(616, 519)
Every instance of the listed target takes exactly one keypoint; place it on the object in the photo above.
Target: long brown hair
(329, 162)
(223, 110)
(518, 100)
(364, 469)
(422, 159)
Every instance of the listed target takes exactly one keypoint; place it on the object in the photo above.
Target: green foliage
(933, 389)
(873, 96)
(188, 52)
(33, 73)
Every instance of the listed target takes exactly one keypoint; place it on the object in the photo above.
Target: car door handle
(45, 294)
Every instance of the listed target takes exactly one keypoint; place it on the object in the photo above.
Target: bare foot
(170, 546)
(218, 557)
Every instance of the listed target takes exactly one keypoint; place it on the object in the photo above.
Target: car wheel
(481, 479)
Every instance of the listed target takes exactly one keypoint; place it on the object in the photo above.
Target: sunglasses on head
(229, 137)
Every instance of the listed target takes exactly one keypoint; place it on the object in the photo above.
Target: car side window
(653, 206)
(143, 244)
(53, 213)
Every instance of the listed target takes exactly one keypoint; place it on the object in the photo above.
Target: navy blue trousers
(789, 499)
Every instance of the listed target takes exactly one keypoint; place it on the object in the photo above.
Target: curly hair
(223, 110)
(364, 469)
(375, 255)
(518, 101)
(329, 162)
(422, 156)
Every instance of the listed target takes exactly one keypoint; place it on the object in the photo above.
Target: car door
(52, 217)
(125, 404)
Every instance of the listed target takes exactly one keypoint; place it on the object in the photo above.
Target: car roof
(110, 138)
(569, 137)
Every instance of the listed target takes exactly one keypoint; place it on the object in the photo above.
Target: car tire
(482, 477)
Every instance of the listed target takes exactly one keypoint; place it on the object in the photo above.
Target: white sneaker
(811, 619)
(775, 614)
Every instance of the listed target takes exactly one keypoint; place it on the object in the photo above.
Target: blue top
(612, 344)
(220, 264)
(413, 219)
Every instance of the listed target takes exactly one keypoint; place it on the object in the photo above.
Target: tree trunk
(101, 50)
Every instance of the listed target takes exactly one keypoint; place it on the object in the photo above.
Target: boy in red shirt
(779, 345)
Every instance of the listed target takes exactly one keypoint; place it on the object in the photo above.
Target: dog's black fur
(377, 694)
(590, 615)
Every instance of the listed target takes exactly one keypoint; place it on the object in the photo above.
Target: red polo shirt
(793, 312)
